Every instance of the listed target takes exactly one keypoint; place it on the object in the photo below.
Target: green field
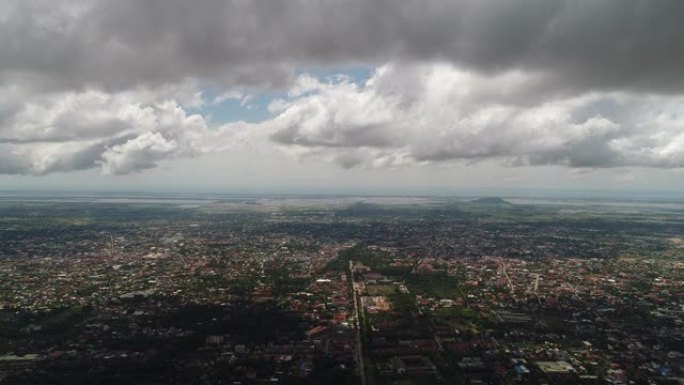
(434, 285)
(381, 289)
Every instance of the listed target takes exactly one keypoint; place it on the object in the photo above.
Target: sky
(342, 95)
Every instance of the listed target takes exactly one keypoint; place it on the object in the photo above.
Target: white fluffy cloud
(439, 112)
(405, 114)
(115, 132)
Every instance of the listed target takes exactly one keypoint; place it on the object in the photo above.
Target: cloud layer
(123, 43)
(109, 84)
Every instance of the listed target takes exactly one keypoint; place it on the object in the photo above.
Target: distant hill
(490, 202)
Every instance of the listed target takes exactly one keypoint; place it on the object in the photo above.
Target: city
(332, 290)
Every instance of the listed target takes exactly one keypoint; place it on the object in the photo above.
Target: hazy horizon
(458, 194)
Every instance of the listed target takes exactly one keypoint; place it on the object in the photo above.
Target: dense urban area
(340, 290)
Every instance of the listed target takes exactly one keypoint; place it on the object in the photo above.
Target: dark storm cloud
(582, 43)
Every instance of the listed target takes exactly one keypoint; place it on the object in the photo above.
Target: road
(358, 311)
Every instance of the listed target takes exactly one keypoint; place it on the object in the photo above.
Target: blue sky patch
(253, 107)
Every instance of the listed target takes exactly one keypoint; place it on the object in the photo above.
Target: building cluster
(511, 320)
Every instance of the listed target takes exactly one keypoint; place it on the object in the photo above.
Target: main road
(358, 310)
